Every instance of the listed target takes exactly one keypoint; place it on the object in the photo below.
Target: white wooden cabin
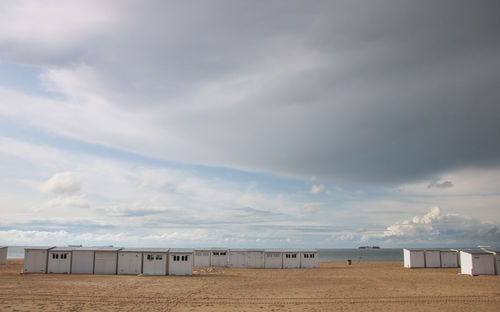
(180, 261)
(3, 254)
(255, 258)
(414, 258)
(272, 259)
(155, 261)
(449, 258)
(130, 261)
(309, 258)
(477, 262)
(35, 259)
(237, 258)
(105, 260)
(291, 259)
(202, 257)
(82, 260)
(496, 258)
(59, 260)
(219, 257)
(432, 258)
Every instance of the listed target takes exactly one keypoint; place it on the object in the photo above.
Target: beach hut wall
(130, 261)
(414, 258)
(155, 261)
(272, 259)
(3, 254)
(202, 257)
(59, 260)
(106, 259)
(219, 257)
(291, 259)
(35, 259)
(477, 262)
(432, 259)
(82, 260)
(496, 258)
(309, 258)
(449, 259)
(255, 259)
(180, 261)
(237, 258)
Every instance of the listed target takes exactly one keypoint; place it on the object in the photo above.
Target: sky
(325, 124)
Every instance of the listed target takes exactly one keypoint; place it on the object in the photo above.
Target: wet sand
(381, 286)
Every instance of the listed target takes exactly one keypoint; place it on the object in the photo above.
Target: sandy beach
(382, 286)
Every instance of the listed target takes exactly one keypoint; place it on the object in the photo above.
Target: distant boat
(369, 247)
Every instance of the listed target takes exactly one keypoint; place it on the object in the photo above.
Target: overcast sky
(250, 124)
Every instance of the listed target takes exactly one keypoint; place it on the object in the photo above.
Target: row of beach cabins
(3, 254)
(471, 261)
(158, 261)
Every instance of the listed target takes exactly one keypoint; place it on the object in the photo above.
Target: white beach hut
(219, 257)
(237, 258)
(82, 260)
(449, 258)
(105, 260)
(130, 261)
(272, 259)
(154, 261)
(255, 258)
(291, 259)
(477, 262)
(309, 258)
(414, 258)
(180, 261)
(35, 259)
(202, 257)
(3, 254)
(432, 258)
(59, 260)
(496, 255)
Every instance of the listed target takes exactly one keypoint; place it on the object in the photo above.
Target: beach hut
(449, 258)
(130, 261)
(255, 258)
(477, 262)
(414, 258)
(237, 258)
(82, 260)
(154, 261)
(309, 258)
(35, 259)
(59, 260)
(219, 257)
(105, 260)
(180, 261)
(291, 259)
(272, 259)
(432, 258)
(3, 254)
(496, 258)
(202, 257)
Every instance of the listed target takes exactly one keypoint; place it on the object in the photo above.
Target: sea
(324, 255)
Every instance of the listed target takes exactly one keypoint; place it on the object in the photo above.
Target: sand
(382, 286)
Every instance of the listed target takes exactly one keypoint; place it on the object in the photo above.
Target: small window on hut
(150, 257)
(159, 257)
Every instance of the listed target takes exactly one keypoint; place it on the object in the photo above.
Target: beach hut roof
(255, 249)
(39, 247)
(203, 249)
(157, 250)
(106, 248)
(238, 249)
(61, 249)
(493, 250)
(273, 250)
(476, 252)
(308, 250)
(219, 249)
(181, 250)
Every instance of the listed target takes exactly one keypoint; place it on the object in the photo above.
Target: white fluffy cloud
(64, 183)
(317, 189)
(437, 228)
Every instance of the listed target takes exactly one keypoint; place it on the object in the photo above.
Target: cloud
(299, 71)
(64, 183)
(437, 228)
(442, 185)
(67, 202)
(317, 189)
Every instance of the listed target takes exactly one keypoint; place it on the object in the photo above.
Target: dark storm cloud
(348, 91)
